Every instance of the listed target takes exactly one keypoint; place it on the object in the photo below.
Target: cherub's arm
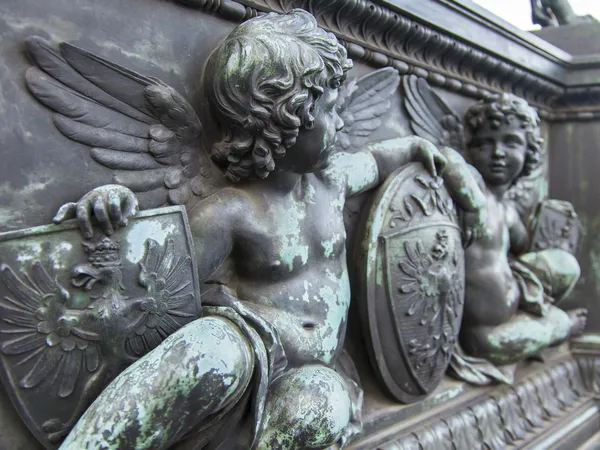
(365, 169)
(519, 235)
(212, 223)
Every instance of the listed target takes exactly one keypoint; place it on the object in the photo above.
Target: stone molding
(381, 37)
(543, 404)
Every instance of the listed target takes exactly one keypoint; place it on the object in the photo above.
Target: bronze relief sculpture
(262, 367)
(515, 279)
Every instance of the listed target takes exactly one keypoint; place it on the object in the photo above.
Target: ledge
(554, 401)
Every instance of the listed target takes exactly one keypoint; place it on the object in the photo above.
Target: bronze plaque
(412, 282)
(74, 313)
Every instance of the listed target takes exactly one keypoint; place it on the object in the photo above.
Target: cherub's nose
(499, 151)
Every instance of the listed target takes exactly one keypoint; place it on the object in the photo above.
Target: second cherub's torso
(492, 294)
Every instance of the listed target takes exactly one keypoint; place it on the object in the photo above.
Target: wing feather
(119, 82)
(430, 116)
(362, 104)
(17, 316)
(153, 179)
(118, 160)
(42, 279)
(76, 106)
(100, 137)
(43, 367)
(24, 344)
(51, 62)
(25, 297)
(134, 124)
(167, 259)
(70, 374)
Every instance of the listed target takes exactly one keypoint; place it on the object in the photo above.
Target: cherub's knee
(309, 407)
(557, 268)
(215, 346)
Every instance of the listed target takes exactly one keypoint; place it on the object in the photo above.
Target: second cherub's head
(272, 85)
(505, 141)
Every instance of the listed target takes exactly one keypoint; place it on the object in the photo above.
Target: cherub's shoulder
(223, 208)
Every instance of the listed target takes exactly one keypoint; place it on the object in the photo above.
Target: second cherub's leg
(557, 269)
(308, 407)
(202, 369)
(523, 336)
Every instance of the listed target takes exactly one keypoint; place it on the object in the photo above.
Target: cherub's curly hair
(262, 82)
(497, 110)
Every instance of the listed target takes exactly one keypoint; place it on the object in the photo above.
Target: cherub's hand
(430, 156)
(474, 225)
(110, 205)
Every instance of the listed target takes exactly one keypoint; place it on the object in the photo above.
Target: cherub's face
(499, 153)
(313, 147)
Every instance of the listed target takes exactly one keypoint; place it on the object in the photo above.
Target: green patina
(155, 396)
(288, 227)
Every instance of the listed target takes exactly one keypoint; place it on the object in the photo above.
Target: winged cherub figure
(509, 311)
(269, 236)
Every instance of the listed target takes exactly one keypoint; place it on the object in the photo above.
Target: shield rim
(370, 256)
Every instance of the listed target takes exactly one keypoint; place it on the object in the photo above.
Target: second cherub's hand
(111, 205)
(474, 225)
(428, 154)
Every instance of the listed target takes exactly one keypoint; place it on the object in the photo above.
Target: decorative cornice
(510, 415)
(383, 37)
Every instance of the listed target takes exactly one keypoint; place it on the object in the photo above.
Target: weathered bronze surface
(513, 278)
(412, 280)
(275, 192)
(68, 327)
(269, 235)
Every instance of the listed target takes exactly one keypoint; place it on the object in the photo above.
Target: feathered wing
(169, 303)
(430, 117)
(138, 126)
(361, 104)
(52, 343)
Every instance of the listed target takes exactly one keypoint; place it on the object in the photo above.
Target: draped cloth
(240, 425)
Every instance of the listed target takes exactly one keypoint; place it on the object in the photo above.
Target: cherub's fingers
(85, 219)
(102, 215)
(429, 163)
(468, 238)
(440, 162)
(66, 212)
(129, 207)
(114, 208)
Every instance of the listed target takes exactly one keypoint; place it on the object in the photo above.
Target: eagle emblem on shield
(412, 282)
(74, 314)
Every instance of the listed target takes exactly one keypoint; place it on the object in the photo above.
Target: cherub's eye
(335, 83)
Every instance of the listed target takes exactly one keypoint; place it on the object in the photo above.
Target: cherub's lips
(498, 166)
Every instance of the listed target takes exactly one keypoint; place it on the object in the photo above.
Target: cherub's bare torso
(290, 263)
(492, 294)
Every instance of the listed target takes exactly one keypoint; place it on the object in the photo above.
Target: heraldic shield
(74, 314)
(411, 282)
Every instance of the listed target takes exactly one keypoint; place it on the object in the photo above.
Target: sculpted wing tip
(135, 125)
(361, 105)
(430, 116)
